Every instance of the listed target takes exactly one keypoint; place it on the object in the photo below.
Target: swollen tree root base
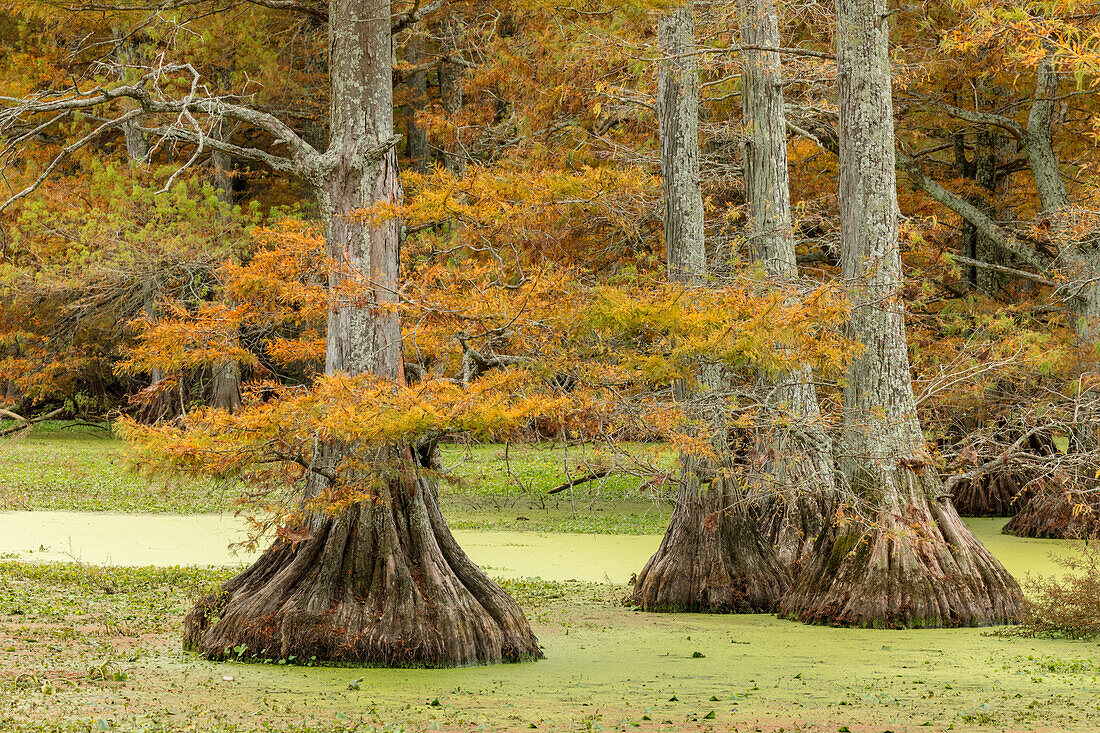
(1056, 513)
(381, 584)
(998, 495)
(714, 558)
(916, 565)
(1005, 491)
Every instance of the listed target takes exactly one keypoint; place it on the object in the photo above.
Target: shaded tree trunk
(450, 94)
(225, 390)
(801, 455)
(908, 560)
(985, 175)
(416, 138)
(127, 58)
(157, 404)
(383, 582)
(713, 556)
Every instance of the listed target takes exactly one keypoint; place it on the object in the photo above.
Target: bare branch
(66, 152)
(413, 15)
(972, 214)
(26, 423)
(984, 118)
(275, 162)
(1012, 271)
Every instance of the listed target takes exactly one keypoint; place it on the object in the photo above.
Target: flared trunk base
(382, 584)
(1057, 514)
(1004, 492)
(714, 558)
(1000, 495)
(915, 565)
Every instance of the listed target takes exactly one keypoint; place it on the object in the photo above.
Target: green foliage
(78, 471)
(1066, 606)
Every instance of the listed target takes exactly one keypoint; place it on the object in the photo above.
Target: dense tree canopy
(848, 274)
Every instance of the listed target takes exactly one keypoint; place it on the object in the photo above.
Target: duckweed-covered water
(108, 538)
(607, 667)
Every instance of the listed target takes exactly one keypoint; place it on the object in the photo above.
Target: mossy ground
(489, 487)
(88, 648)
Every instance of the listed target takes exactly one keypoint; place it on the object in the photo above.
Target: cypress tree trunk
(126, 55)
(801, 462)
(416, 143)
(678, 117)
(226, 379)
(1083, 263)
(985, 175)
(908, 561)
(383, 582)
(713, 556)
(450, 95)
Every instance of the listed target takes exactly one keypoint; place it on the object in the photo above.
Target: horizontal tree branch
(578, 481)
(984, 118)
(1012, 271)
(971, 213)
(26, 423)
(275, 162)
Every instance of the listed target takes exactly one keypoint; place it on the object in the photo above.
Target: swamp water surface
(607, 667)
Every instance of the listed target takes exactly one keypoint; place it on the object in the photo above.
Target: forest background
(161, 263)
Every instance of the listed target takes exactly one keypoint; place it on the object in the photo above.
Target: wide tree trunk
(794, 437)
(905, 559)
(713, 557)
(383, 582)
(1055, 512)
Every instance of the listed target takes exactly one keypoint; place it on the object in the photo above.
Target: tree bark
(416, 138)
(714, 556)
(226, 378)
(450, 94)
(801, 462)
(137, 142)
(383, 582)
(907, 560)
(985, 175)
(678, 116)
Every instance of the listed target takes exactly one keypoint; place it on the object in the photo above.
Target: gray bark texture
(801, 455)
(714, 556)
(1081, 261)
(383, 582)
(127, 57)
(678, 115)
(907, 560)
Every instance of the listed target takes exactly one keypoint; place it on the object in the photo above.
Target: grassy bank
(488, 486)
